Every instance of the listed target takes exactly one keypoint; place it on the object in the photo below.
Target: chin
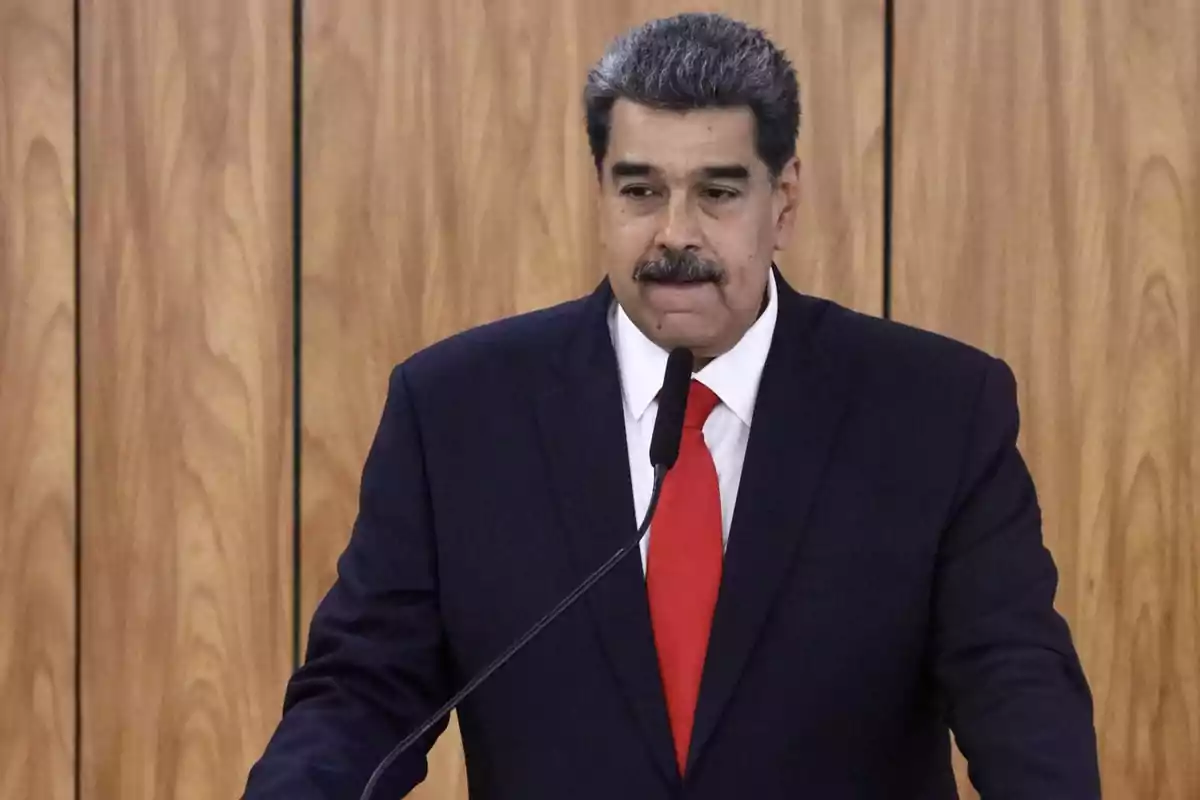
(700, 340)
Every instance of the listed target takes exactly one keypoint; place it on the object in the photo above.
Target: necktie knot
(700, 403)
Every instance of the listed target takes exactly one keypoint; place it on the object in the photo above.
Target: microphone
(672, 403)
(664, 450)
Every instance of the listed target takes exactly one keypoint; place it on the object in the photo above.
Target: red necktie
(683, 568)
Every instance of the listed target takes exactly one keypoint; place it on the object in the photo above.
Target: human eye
(638, 191)
(719, 194)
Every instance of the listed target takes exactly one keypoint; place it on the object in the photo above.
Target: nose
(679, 230)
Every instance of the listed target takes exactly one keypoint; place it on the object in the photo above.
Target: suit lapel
(583, 427)
(800, 401)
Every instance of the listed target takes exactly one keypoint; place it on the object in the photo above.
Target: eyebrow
(628, 169)
(729, 172)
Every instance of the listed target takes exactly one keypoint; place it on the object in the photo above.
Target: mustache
(680, 267)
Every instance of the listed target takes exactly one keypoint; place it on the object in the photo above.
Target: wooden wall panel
(186, 304)
(1047, 194)
(447, 182)
(37, 400)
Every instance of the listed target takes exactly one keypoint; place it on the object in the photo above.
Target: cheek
(626, 235)
(758, 244)
(737, 246)
(747, 256)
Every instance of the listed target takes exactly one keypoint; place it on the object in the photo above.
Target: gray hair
(694, 61)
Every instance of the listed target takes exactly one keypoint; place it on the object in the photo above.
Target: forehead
(678, 142)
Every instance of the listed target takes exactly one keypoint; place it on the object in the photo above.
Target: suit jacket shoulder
(509, 352)
(902, 359)
(928, 411)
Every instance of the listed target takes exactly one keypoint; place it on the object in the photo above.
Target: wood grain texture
(186, 304)
(1047, 199)
(447, 182)
(37, 400)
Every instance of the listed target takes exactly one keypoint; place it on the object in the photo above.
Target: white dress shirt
(733, 377)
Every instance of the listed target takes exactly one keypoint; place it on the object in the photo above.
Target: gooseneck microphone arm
(664, 449)
(502, 659)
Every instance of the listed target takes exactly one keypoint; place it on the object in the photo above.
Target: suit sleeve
(376, 662)
(1017, 698)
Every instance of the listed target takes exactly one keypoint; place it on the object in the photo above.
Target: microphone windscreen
(672, 403)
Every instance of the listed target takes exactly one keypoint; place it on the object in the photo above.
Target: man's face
(690, 221)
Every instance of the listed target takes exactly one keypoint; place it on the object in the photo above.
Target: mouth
(678, 297)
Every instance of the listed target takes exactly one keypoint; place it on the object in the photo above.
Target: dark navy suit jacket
(885, 582)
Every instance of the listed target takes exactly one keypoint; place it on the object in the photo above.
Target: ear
(786, 203)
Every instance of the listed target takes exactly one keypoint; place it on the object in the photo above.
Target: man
(846, 562)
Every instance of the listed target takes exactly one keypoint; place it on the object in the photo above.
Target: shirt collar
(733, 376)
